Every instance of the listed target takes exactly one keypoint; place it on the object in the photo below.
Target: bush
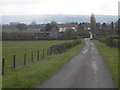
(60, 48)
(83, 33)
(72, 44)
(55, 49)
(111, 40)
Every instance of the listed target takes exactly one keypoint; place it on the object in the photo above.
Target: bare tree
(21, 27)
(93, 24)
(33, 23)
(80, 26)
(112, 25)
(119, 26)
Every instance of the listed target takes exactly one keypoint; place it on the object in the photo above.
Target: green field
(19, 48)
(34, 74)
(110, 56)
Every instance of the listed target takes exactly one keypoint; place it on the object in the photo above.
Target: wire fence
(35, 57)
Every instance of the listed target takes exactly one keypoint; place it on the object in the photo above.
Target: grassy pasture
(110, 56)
(19, 48)
(34, 74)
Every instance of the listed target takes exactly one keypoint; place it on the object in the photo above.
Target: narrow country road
(86, 70)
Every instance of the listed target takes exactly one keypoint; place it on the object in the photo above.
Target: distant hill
(59, 18)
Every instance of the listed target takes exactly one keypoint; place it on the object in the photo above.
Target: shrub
(111, 40)
(60, 48)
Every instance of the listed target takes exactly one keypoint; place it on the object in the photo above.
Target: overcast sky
(75, 7)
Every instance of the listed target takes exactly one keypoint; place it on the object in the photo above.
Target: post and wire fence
(35, 57)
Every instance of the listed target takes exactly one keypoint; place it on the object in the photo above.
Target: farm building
(50, 30)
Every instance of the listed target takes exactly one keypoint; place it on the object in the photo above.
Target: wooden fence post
(43, 54)
(3, 65)
(38, 56)
(47, 52)
(14, 61)
(24, 59)
(32, 56)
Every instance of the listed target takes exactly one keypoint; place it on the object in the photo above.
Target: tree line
(80, 29)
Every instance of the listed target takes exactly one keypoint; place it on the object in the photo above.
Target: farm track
(86, 70)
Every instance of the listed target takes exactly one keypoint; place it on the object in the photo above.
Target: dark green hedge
(60, 48)
(111, 40)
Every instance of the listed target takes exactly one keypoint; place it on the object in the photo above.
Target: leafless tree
(93, 24)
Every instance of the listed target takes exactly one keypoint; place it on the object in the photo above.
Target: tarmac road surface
(86, 70)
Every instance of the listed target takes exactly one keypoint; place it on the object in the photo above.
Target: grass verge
(36, 73)
(110, 56)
